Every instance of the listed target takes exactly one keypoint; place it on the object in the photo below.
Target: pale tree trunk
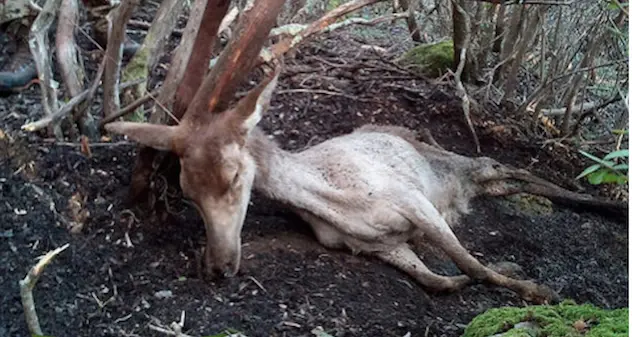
(513, 31)
(499, 29)
(410, 6)
(144, 59)
(526, 41)
(460, 34)
(594, 42)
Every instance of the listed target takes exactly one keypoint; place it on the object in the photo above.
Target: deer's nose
(222, 270)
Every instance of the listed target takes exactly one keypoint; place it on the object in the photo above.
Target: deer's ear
(159, 137)
(251, 108)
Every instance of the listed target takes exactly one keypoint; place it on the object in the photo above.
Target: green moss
(532, 204)
(554, 321)
(136, 69)
(431, 59)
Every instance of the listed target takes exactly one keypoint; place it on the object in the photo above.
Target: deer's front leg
(403, 258)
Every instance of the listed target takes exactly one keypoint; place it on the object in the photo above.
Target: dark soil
(288, 284)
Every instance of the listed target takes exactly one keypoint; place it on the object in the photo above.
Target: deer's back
(385, 166)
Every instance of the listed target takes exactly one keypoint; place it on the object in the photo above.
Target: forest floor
(127, 268)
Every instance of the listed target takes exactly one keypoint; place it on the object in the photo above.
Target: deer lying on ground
(370, 191)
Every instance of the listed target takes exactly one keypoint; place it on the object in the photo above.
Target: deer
(370, 191)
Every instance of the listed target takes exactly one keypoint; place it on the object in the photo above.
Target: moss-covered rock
(432, 59)
(566, 319)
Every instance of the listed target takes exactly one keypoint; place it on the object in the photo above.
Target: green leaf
(620, 167)
(617, 154)
(608, 164)
(622, 180)
(589, 170)
(610, 178)
(597, 177)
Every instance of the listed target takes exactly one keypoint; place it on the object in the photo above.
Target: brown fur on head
(217, 171)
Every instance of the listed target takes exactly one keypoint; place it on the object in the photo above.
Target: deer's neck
(278, 170)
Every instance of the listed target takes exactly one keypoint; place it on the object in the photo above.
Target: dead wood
(150, 50)
(40, 49)
(114, 55)
(26, 290)
(70, 64)
(86, 96)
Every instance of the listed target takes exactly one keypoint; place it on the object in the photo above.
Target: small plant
(613, 168)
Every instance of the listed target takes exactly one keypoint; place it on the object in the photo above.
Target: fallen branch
(40, 49)
(26, 290)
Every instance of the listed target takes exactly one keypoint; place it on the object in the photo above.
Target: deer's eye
(235, 178)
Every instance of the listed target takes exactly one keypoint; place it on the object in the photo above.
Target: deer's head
(216, 169)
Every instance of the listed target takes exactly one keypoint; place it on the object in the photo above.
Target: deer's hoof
(541, 294)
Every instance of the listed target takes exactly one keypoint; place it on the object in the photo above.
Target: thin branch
(26, 290)
(130, 108)
(317, 26)
(459, 71)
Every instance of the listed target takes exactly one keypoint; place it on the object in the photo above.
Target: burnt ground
(106, 282)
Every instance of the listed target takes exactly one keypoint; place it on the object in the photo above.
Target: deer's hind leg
(428, 219)
(406, 260)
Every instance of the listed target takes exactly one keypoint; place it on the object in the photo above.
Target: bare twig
(70, 64)
(26, 290)
(130, 108)
(322, 92)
